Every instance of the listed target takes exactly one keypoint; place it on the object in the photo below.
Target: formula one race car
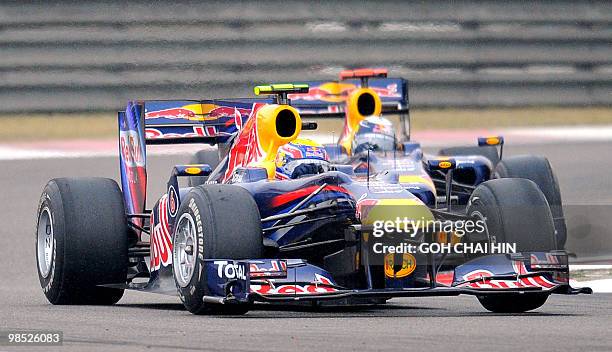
(245, 237)
(396, 156)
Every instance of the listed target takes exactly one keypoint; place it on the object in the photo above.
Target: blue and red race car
(245, 237)
(385, 125)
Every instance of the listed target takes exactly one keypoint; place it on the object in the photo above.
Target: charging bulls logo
(246, 147)
(172, 113)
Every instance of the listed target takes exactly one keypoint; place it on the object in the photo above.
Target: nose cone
(393, 209)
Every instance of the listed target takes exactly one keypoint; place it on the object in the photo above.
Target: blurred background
(66, 67)
(80, 56)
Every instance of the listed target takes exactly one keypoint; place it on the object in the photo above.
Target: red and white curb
(428, 138)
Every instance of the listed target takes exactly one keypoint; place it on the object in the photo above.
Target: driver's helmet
(376, 133)
(300, 158)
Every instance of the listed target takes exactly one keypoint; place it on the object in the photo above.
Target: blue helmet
(374, 131)
(301, 157)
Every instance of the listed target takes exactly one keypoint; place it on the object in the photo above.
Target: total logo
(229, 270)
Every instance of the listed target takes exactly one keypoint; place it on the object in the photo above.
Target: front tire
(538, 170)
(81, 241)
(218, 222)
(513, 303)
(515, 211)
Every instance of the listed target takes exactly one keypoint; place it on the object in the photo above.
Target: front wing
(291, 280)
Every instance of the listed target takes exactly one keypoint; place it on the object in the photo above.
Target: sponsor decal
(407, 266)
(445, 164)
(316, 152)
(161, 240)
(336, 92)
(130, 149)
(378, 187)
(277, 268)
(390, 91)
(174, 113)
(383, 129)
(193, 170)
(321, 285)
(532, 281)
(492, 141)
(199, 227)
(291, 289)
(238, 119)
(481, 279)
(198, 131)
(172, 201)
(246, 147)
(229, 111)
(227, 270)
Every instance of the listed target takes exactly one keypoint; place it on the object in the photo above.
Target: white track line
(13, 153)
(514, 136)
(598, 286)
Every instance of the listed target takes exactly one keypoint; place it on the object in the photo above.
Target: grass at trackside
(15, 128)
(57, 126)
(591, 274)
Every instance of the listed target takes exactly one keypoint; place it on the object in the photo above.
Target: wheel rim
(184, 251)
(45, 242)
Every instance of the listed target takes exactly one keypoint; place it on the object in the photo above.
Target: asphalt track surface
(154, 322)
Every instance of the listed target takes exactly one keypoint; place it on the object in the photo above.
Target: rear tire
(207, 156)
(516, 211)
(226, 225)
(81, 241)
(488, 151)
(538, 170)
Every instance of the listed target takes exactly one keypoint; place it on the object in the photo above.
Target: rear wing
(327, 98)
(171, 122)
(195, 121)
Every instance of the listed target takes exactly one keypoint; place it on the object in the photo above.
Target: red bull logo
(227, 111)
(174, 113)
(246, 148)
(337, 92)
(198, 112)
